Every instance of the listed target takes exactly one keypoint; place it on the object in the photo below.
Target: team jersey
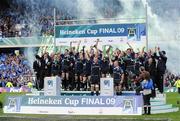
(95, 69)
(65, 63)
(79, 65)
(117, 72)
(87, 66)
(105, 66)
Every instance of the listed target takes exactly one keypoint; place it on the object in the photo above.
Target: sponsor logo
(70, 111)
(43, 112)
(106, 83)
(13, 104)
(110, 40)
(132, 34)
(100, 111)
(15, 89)
(50, 83)
(128, 106)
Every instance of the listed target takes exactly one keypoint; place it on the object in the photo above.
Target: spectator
(2, 83)
(9, 84)
(13, 68)
(177, 84)
(29, 84)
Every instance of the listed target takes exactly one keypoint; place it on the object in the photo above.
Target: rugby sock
(97, 93)
(92, 93)
(117, 93)
(76, 85)
(65, 84)
(81, 85)
(149, 110)
(120, 93)
(145, 110)
(84, 85)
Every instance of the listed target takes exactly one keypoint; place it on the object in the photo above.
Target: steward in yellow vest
(177, 84)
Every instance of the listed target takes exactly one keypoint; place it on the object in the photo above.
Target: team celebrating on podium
(81, 70)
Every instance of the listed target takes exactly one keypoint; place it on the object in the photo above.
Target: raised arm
(110, 61)
(122, 78)
(129, 45)
(161, 54)
(142, 51)
(70, 47)
(96, 45)
(96, 49)
(87, 55)
(108, 50)
(77, 49)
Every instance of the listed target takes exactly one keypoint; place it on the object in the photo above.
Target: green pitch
(172, 98)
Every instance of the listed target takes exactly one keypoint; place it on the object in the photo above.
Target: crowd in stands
(14, 69)
(74, 65)
(21, 20)
(170, 79)
(25, 19)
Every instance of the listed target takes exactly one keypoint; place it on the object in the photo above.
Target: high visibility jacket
(30, 84)
(177, 83)
(9, 84)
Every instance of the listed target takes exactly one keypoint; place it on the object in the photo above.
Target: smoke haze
(163, 18)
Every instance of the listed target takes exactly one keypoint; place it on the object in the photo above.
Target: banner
(107, 86)
(15, 89)
(75, 105)
(108, 34)
(52, 86)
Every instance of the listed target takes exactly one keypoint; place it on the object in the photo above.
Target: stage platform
(158, 103)
(81, 103)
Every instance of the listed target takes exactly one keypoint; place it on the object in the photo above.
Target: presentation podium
(52, 86)
(54, 103)
(107, 87)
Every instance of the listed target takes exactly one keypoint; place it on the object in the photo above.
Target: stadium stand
(15, 22)
(14, 69)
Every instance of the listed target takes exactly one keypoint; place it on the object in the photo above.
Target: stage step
(157, 103)
(165, 110)
(159, 106)
(156, 107)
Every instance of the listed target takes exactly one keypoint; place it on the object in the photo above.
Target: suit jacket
(161, 65)
(37, 66)
(46, 66)
(151, 68)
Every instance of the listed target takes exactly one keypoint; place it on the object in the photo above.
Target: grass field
(171, 99)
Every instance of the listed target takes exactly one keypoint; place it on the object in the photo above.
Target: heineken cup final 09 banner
(108, 34)
(75, 105)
